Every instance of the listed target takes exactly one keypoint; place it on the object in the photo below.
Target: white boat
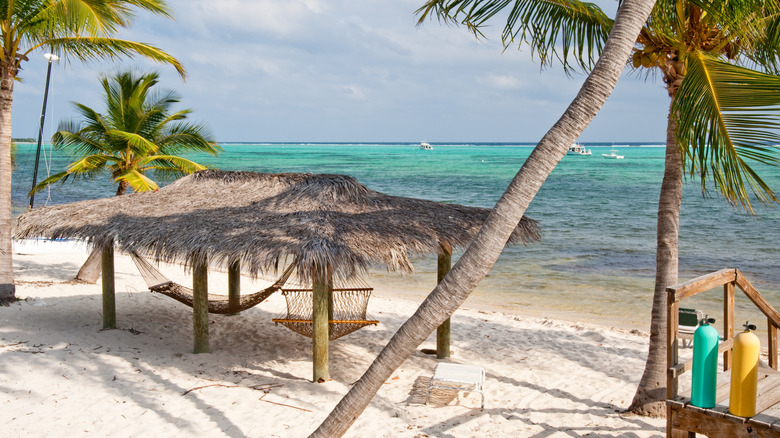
(426, 146)
(578, 149)
(613, 155)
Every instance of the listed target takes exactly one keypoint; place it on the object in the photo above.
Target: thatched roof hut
(264, 220)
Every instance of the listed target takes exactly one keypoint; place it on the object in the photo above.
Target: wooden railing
(728, 278)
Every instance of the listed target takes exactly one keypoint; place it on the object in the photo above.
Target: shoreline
(63, 372)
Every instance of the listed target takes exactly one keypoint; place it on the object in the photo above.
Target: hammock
(157, 282)
(348, 312)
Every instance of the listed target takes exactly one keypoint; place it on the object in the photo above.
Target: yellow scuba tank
(744, 373)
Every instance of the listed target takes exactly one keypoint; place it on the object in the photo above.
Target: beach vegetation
(486, 247)
(137, 137)
(82, 30)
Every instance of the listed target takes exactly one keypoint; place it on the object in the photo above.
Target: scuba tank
(704, 380)
(744, 374)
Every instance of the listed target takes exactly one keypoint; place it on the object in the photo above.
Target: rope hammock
(157, 282)
(348, 311)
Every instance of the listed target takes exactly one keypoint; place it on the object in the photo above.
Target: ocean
(596, 259)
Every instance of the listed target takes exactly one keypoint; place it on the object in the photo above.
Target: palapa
(267, 220)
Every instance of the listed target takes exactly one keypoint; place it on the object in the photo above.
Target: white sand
(61, 375)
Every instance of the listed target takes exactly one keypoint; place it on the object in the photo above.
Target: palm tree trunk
(488, 244)
(90, 270)
(7, 288)
(651, 393)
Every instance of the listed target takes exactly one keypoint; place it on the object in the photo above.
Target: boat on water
(578, 149)
(613, 155)
(424, 145)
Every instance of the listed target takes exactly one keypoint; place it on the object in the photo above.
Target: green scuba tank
(704, 378)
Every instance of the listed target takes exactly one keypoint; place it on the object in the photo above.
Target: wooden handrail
(757, 299)
(701, 284)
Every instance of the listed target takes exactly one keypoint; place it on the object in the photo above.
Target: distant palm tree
(82, 29)
(137, 137)
(722, 114)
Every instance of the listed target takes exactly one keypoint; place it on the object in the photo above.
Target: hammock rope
(348, 313)
(158, 282)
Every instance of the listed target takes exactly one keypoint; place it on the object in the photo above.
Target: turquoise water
(597, 256)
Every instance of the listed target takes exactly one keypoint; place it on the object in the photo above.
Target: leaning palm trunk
(488, 244)
(7, 288)
(650, 396)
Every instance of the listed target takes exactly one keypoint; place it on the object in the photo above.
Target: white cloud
(503, 82)
(354, 92)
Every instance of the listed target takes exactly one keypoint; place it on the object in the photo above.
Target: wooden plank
(200, 306)
(723, 389)
(443, 331)
(769, 418)
(320, 310)
(701, 284)
(724, 346)
(728, 322)
(711, 424)
(109, 287)
(772, 344)
(757, 299)
(768, 391)
(681, 368)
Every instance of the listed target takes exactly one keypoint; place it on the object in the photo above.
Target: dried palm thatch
(263, 220)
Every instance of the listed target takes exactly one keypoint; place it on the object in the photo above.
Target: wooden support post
(728, 321)
(200, 305)
(771, 329)
(109, 295)
(672, 354)
(443, 331)
(320, 324)
(234, 287)
(672, 358)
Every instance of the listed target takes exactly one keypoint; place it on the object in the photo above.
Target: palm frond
(187, 137)
(77, 144)
(171, 162)
(767, 49)
(57, 177)
(569, 31)
(96, 48)
(137, 180)
(729, 115)
(171, 167)
(136, 143)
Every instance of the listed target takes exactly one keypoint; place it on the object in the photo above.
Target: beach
(62, 375)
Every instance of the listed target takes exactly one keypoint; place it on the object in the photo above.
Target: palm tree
(82, 29)
(137, 135)
(721, 113)
(486, 247)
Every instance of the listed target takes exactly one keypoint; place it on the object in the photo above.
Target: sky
(344, 71)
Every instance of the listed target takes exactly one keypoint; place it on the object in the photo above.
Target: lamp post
(50, 57)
